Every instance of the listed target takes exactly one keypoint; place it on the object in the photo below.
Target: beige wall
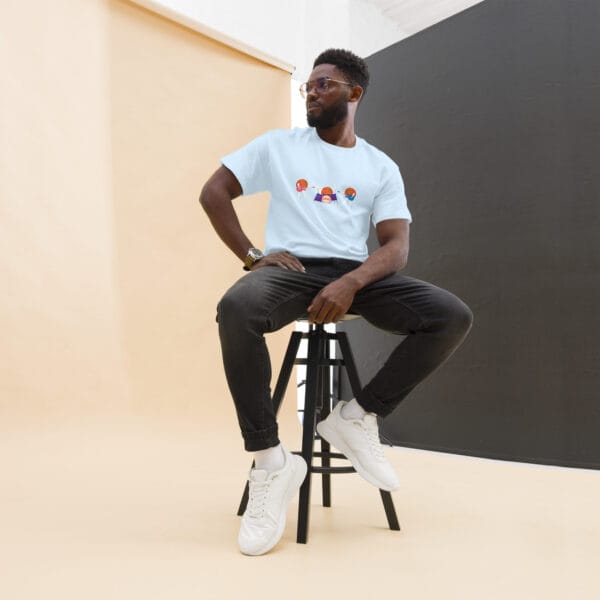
(111, 119)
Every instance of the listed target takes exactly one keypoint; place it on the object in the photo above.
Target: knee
(236, 310)
(230, 308)
(456, 316)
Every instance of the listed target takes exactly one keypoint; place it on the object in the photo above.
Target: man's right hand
(284, 260)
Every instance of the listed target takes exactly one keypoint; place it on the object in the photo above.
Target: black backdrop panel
(494, 118)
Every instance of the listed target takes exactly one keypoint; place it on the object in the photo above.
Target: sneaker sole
(300, 471)
(331, 436)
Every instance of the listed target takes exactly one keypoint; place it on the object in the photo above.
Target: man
(326, 186)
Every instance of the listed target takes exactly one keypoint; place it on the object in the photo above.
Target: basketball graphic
(326, 195)
(301, 185)
(350, 194)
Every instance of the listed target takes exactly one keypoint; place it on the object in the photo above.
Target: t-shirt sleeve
(390, 200)
(251, 165)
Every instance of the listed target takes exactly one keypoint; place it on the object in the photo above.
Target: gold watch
(254, 255)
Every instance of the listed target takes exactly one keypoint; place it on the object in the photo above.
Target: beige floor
(132, 508)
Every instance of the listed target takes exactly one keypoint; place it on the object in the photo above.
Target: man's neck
(341, 134)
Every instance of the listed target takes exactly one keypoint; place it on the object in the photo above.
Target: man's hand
(332, 302)
(279, 259)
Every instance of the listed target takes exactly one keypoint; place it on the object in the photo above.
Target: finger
(335, 317)
(293, 263)
(314, 307)
(313, 311)
(331, 316)
(322, 315)
(293, 266)
(279, 261)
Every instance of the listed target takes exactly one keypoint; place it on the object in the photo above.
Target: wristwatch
(254, 255)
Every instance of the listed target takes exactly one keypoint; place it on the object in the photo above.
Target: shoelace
(376, 447)
(259, 491)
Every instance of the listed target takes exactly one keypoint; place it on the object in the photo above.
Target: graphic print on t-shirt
(326, 194)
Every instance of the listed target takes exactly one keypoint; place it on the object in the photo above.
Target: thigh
(270, 296)
(402, 304)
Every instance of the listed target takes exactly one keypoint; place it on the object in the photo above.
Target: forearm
(389, 258)
(219, 208)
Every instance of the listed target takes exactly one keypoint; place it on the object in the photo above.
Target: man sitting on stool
(326, 185)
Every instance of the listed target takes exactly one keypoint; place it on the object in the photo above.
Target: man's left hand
(332, 302)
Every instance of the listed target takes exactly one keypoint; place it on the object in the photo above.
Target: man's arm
(217, 198)
(335, 299)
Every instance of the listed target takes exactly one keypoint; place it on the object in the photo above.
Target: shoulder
(375, 152)
(376, 155)
(276, 138)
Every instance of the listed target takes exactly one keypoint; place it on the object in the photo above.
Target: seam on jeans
(288, 299)
(409, 309)
(270, 328)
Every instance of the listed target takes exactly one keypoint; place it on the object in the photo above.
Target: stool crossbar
(318, 401)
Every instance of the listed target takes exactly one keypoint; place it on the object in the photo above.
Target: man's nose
(312, 93)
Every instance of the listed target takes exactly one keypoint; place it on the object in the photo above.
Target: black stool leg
(286, 369)
(390, 511)
(308, 429)
(325, 409)
(348, 358)
(245, 497)
(280, 387)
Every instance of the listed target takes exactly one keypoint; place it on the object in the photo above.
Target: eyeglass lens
(319, 85)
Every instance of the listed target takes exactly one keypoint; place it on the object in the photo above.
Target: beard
(328, 117)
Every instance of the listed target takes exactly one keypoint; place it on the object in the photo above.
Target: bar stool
(318, 401)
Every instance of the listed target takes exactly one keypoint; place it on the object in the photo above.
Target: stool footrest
(315, 469)
(328, 469)
(325, 362)
(323, 454)
(329, 455)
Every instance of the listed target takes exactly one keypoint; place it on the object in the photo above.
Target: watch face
(253, 255)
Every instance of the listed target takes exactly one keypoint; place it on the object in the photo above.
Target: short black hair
(352, 66)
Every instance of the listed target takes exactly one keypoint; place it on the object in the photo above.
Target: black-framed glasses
(320, 85)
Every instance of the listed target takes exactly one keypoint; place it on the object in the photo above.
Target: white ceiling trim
(413, 16)
(220, 36)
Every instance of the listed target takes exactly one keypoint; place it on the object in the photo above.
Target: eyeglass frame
(304, 91)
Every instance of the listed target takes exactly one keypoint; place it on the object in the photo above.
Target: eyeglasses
(320, 85)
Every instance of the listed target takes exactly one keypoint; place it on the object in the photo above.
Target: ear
(356, 93)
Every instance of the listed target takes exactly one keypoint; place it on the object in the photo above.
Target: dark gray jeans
(435, 321)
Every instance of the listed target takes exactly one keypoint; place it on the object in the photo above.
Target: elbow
(213, 196)
(402, 260)
(204, 197)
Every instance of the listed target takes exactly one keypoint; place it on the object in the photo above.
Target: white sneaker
(270, 494)
(358, 440)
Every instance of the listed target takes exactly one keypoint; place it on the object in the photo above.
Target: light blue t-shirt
(322, 196)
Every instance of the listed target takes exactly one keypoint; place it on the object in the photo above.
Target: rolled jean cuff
(261, 440)
(374, 405)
